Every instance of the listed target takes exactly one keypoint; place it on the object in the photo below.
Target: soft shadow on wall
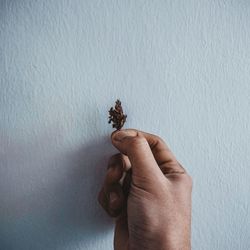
(61, 211)
(84, 218)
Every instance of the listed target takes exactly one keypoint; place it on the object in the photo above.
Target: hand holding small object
(152, 206)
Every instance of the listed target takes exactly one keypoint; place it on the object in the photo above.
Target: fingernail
(113, 197)
(120, 135)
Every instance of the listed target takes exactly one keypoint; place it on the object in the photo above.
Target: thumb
(133, 144)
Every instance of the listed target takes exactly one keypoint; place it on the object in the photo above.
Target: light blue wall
(182, 70)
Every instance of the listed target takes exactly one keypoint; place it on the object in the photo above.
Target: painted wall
(181, 68)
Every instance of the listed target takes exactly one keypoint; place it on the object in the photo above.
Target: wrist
(160, 241)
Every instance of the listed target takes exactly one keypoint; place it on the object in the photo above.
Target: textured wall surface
(181, 68)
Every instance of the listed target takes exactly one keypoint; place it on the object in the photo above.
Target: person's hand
(153, 205)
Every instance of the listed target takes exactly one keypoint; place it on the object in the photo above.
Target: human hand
(153, 206)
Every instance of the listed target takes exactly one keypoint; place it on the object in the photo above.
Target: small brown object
(116, 115)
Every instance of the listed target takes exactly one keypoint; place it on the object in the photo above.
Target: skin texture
(152, 205)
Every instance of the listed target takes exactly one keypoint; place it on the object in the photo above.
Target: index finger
(163, 155)
(161, 152)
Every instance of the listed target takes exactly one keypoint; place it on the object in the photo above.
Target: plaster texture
(181, 69)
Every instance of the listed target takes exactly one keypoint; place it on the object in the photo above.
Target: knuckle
(115, 157)
(187, 181)
(115, 160)
(183, 180)
(181, 167)
(159, 139)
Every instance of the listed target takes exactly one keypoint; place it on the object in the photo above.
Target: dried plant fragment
(116, 116)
